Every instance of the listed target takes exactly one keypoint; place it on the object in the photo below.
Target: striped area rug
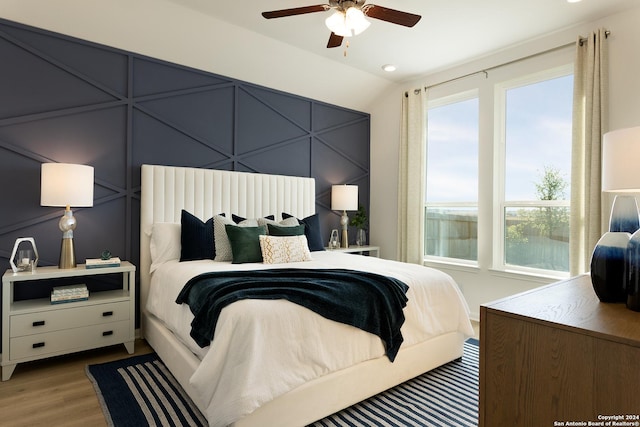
(445, 397)
(140, 391)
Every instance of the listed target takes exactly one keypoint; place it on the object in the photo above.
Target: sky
(538, 135)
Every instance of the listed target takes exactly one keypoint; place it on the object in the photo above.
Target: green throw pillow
(283, 230)
(245, 243)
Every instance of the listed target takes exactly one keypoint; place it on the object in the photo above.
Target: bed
(290, 381)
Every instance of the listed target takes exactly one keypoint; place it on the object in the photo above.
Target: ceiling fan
(349, 17)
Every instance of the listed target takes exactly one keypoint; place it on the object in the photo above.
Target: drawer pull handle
(107, 313)
(107, 333)
(38, 345)
(38, 323)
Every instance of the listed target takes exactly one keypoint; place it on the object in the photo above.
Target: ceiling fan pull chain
(346, 46)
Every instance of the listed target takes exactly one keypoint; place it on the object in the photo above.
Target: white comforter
(264, 348)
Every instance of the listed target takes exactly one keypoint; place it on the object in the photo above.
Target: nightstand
(36, 329)
(370, 250)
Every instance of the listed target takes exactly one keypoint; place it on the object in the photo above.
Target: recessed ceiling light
(389, 68)
(573, 1)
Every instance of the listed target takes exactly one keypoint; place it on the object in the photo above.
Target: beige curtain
(412, 177)
(589, 124)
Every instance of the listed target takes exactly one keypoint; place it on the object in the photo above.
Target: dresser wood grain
(556, 354)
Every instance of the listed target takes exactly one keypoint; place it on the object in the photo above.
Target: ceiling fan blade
(391, 15)
(334, 40)
(295, 11)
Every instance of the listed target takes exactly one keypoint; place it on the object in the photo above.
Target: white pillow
(283, 249)
(289, 222)
(222, 244)
(165, 243)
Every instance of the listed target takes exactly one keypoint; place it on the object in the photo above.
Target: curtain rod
(486, 70)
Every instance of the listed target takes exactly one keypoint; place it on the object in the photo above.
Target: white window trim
(500, 91)
(452, 99)
(439, 102)
(484, 85)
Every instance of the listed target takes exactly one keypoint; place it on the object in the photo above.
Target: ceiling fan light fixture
(347, 24)
(349, 17)
(355, 21)
(336, 23)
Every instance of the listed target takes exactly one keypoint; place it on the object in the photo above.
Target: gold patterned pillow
(283, 249)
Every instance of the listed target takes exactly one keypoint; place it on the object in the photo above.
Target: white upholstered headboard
(166, 190)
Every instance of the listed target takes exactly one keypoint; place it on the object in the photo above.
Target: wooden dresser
(557, 355)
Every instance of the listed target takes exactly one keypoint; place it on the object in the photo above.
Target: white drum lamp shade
(621, 160)
(344, 198)
(68, 185)
(620, 174)
(65, 184)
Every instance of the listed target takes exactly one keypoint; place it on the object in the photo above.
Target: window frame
(499, 170)
(461, 96)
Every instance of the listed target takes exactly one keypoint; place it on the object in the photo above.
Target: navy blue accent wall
(68, 100)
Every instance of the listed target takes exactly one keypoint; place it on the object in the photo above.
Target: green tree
(552, 185)
(548, 223)
(549, 219)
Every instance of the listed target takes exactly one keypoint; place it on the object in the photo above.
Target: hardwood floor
(56, 391)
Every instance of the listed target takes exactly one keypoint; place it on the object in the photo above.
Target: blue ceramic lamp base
(608, 266)
(615, 263)
(632, 272)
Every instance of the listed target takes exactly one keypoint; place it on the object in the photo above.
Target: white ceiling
(450, 31)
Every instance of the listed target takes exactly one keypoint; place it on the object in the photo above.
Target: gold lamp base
(344, 222)
(344, 243)
(67, 254)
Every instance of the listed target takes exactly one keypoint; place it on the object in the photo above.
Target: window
(536, 170)
(498, 169)
(451, 210)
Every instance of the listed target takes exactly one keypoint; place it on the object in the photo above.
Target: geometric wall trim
(68, 100)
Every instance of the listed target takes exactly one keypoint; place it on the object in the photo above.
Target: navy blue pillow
(196, 238)
(311, 230)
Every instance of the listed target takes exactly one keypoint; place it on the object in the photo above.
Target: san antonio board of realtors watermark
(604, 421)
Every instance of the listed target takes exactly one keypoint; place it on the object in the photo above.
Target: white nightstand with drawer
(35, 329)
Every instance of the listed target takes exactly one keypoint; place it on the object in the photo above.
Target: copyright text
(603, 420)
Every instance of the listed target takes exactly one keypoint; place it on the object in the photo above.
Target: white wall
(484, 285)
(164, 30)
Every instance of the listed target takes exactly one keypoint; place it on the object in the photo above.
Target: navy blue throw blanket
(368, 301)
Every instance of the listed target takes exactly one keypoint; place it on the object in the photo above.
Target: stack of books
(69, 293)
(100, 263)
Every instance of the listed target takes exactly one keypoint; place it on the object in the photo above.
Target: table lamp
(64, 184)
(344, 198)
(620, 173)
